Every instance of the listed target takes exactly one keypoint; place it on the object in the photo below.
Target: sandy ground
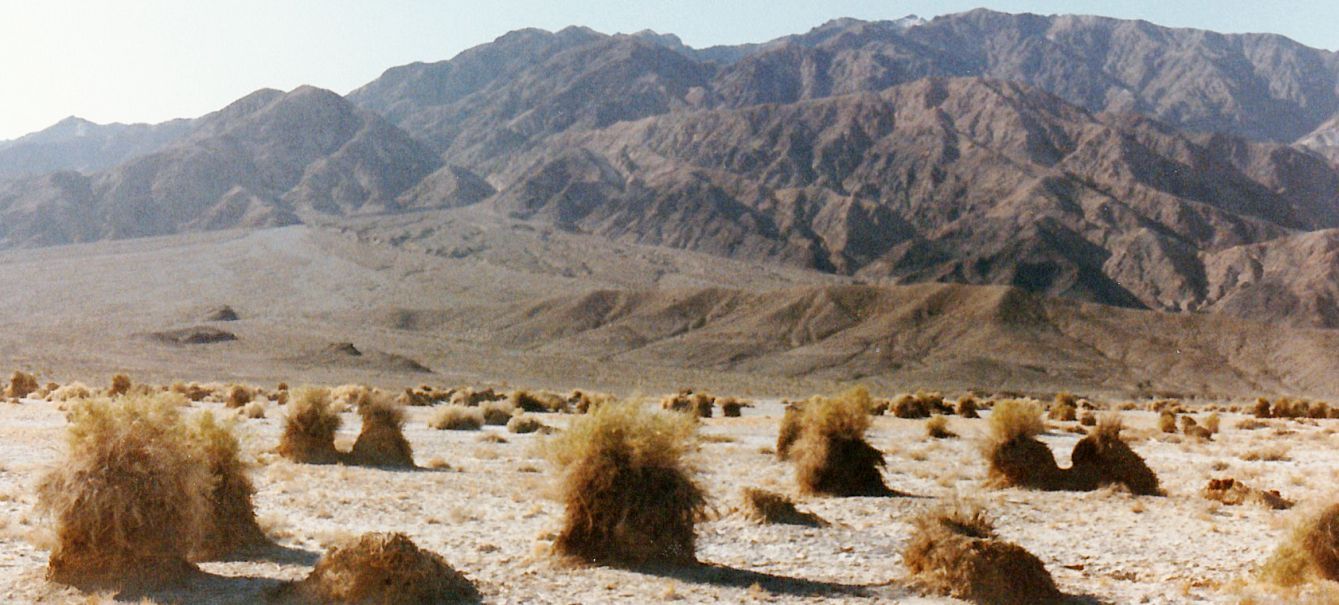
(490, 515)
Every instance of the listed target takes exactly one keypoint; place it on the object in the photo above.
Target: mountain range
(1099, 160)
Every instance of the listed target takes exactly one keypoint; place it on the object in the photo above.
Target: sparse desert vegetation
(633, 485)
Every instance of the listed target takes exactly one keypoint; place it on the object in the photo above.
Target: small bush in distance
(21, 384)
(381, 441)
(937, 428)
(831, 455)
(454, 417)
(524, 423)
(630, 494)
(239, 396)
(309, 429)
(767, 507)
(1015, 457)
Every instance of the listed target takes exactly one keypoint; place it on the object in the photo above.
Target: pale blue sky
(152, 60)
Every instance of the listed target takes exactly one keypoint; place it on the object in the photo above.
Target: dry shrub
(789, 431)
(469, 397)
(831, 455)
(193, 391)
(767, 507)
(349, 396)
(1251, 424)
(698, 404)
(21, 384)
(582, 402)
(381, 441)
(1198, 432)
(1015, 457)
(1232, 492)
(911, 407)
(937, 428)
(456, 418)
(631, 496)
(497, 413)
(537, 401)
(254, 410)
(1167, 421)
(732, 407)
(1065, 408)
(130, 499)
(309, 431)
(281, 398)
(231, 525)
(1063, 413)
(1103, 458)
(1261, 409)
(1211, 422)
(1311, 551)
(412, 397)
(74, 391)
(380, 568)
(120, 385)
(1087, 418)
(967, 407)
(1318, 410)
(522, 423)
(239, 396)
(953, 551)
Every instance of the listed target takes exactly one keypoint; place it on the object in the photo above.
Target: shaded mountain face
(76, 144)
(1096, 159)
(961, 180)
(262, 161)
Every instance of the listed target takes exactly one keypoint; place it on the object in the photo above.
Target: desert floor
(490, 513)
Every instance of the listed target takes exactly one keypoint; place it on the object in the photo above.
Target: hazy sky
(152, 60)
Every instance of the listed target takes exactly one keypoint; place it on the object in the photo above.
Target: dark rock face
(1097, 159)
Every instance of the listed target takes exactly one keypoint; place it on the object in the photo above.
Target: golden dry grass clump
(732, 407)
(1014, 456)
(1310, 552)
(537, 401)
(1232, 493)
(789, 430)
(910, 407)
(1087, 418)
(937, 427)
(381, 441)
(309, 430)
(966, 407)
(701, 405)
(582, 401)
(231, 525)
(1103, 458)
(380, 568)
(953, 551)
(1261, 408)
(192, 391)
(120, 385)
(497, 413)
(1065, 408)
(239, 395)
(21, 384)
(767, 507)
(1167, 421)
(456, 418)
(470, 397)
(74, 391)
(130, 499)
(631, 495)
(524, 423)
(831, 455)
